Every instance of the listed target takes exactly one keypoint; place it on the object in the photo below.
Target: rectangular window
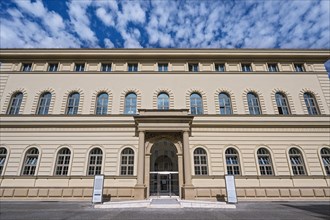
(26, 67)
(80, 67)
(106, 67)
(246, 68)
(272, 67)
(52, 67)
(299, 67)
(132, 67)
(193, 67)
(162, 67)
(220, 67)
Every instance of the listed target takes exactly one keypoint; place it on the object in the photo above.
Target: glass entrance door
(164, 184)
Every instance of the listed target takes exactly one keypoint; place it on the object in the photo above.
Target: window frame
(127, 169)
(43, 105)
(270, 67)
(165, 102)
(254, 107)
(266, 168)
(128, 108)
(217, 69)
(246, 67)
(299, 67)
(162, 67)
(200, 162)
(66, 162)
(193, 67)
(298, 168)
(30, 162)
(225, 106)
(26, 67)
(50, 65)
(3, 159)
(103, 106)
(311, 109)
(97, 157)
(325, 162)
(194, 104)
(282, 103)
(106, 67)
(15, 109)
(232, 166)
(79, 67)
(132, 67)
(74, 106)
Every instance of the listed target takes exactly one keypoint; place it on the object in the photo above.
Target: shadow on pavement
(322, 210)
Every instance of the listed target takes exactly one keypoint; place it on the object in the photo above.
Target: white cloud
(108, 43)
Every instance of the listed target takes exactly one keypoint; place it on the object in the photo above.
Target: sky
(165, 24)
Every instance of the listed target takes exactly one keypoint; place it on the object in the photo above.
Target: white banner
(98, 189)
(231, 189)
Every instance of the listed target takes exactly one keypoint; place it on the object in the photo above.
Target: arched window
(63, 162)
(253, 103)
(232, 162)
(225, 104)
(130, 103)
(282, 104)
(95, 162)
(297, 162)
(311, 104)
(44, 103)
(163, 101)
(200, 161)
(102, 104)
(325, 155)
(265, 162)
(30, 162)
(127, 162)
(196, 104)
(15, 103)
(3, 156)
(73, 103)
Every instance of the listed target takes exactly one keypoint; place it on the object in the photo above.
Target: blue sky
(165, 24)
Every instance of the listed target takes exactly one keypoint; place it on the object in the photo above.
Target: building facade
(164, 122)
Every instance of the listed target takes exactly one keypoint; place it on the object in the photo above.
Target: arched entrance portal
(164, 178)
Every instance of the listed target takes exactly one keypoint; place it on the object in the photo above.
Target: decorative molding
(288, 97)
(65, 100)
(204, 99)
(8, 98)
(163, 90)
(317, 97)
(123, 95)
(37, 97)
(260, 97)
(94, 97)
(232, 98)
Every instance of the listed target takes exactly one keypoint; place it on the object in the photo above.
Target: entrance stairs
(165, 203)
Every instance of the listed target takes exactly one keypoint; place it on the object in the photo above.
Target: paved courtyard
(48, 210)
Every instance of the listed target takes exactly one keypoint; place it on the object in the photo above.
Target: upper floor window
(299, 67)
(272, 67)
(325, 155)
(95, 162)
(297, 162)
(127, 162)
(225, 104)
(130, 103)
(196, 104)
(200, 161)
(26, 67)
(106, 67)
(52, 67)
(62, 162)
(102, 103)
(193, 67)
(232, 162)
(311, 104)
(30, 162)
(15, 103)
(246, 67)
(3, 156)
(73, 103)
(162, 67)
(79, 67)
(282, 104)
(253, 103)
(44, 103)
(220, 67)
(163, 101)
(132, 67)
(265, 162)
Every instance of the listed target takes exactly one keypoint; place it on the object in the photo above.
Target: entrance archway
(164, 177)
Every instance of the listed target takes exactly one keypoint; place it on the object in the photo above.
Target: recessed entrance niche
(164, 178)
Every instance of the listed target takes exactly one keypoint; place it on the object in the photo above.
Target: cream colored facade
(160, 137)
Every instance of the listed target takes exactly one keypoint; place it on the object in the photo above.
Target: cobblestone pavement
(49, 210)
